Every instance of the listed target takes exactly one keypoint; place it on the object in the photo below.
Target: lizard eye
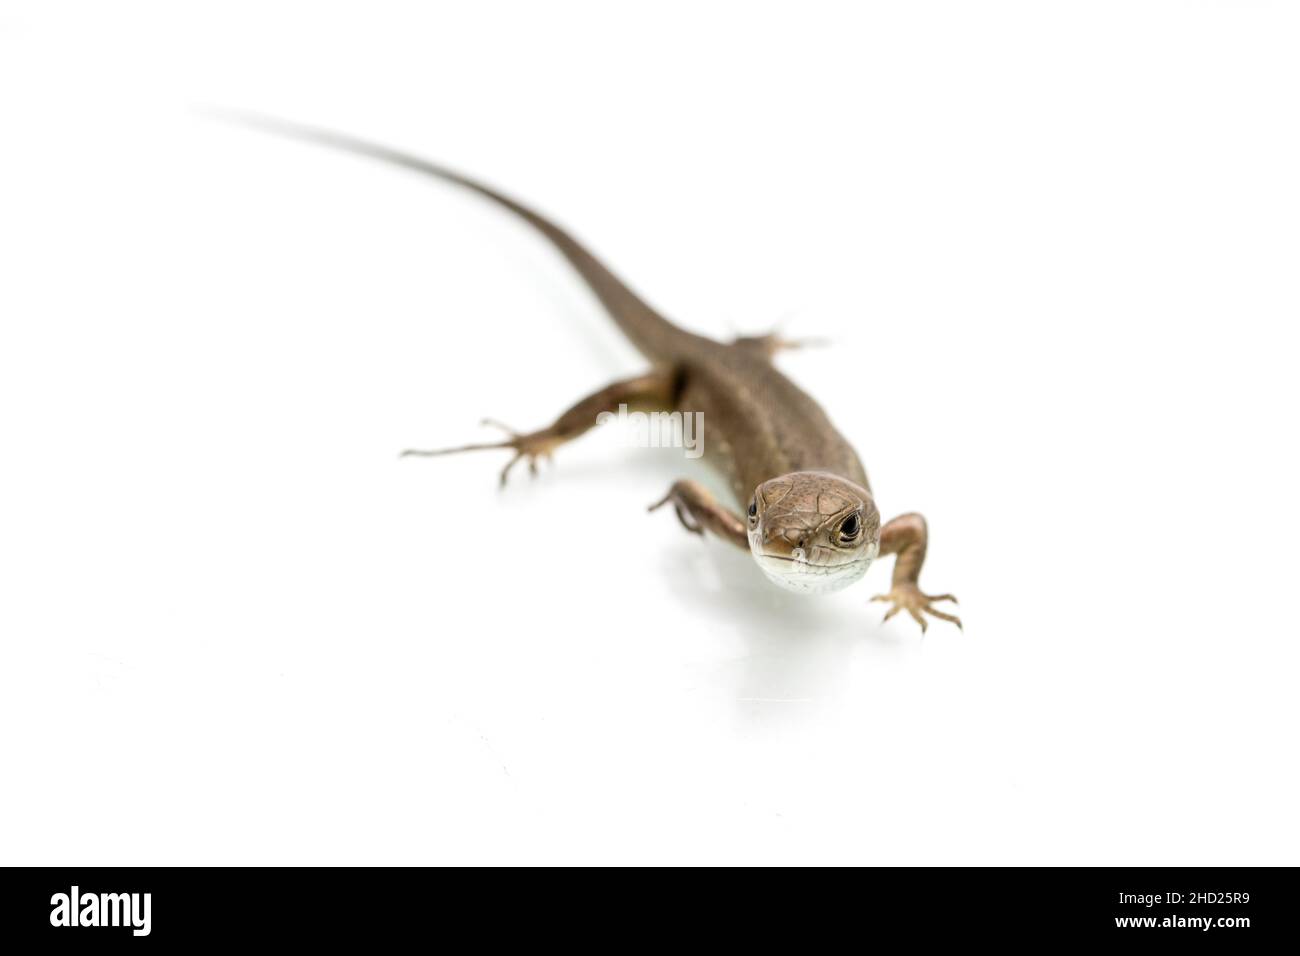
(753, 511)
(850, 528)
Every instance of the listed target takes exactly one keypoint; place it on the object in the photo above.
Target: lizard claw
(908, 597)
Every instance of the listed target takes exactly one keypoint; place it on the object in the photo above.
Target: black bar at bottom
(373, 907)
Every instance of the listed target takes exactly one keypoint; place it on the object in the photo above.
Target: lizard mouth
(804, 562)
(796, 574)
(793, 571)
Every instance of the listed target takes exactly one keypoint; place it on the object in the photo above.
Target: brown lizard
(810, 520)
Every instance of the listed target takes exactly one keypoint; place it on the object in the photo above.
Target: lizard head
(813, 532)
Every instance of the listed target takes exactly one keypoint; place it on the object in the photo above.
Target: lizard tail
(656, 337)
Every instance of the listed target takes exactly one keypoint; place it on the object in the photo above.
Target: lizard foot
(908, 597)
(530, 447)
(774, 342)
(699, 511)
(681, 507)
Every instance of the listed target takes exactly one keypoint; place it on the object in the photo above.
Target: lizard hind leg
(656, 388)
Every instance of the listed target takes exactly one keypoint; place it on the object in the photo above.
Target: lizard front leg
(654, 389)
(699, 511)
(906, 536)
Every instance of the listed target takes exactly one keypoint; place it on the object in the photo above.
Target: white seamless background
(1054, 245)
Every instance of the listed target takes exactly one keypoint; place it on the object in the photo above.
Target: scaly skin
(811, 522)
